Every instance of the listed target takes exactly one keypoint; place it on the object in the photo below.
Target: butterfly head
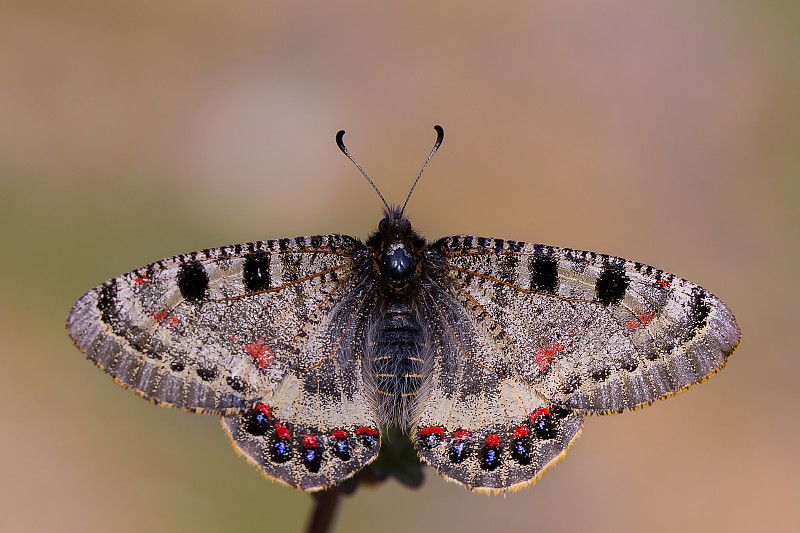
(398, 251)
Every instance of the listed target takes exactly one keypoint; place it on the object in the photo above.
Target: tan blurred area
(666, 132)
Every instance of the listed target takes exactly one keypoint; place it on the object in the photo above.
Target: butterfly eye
(383, 225)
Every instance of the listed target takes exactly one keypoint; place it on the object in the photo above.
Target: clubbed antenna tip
(436, 145)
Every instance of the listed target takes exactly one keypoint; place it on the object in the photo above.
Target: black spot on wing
(192, 281)
(611, 285)
(490, 457)
(107, 303)
(256, 272)
(207, 373)
(459, 451)
(235, 383)
(544, 274)
(698, 314)
(700, 309)
(601, 372)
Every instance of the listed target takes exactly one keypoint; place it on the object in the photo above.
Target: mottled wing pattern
(478, 423)
(265, 334)
(526, 338)
(589, 331)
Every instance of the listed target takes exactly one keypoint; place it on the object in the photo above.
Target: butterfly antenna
(436, 145)
(345, 151)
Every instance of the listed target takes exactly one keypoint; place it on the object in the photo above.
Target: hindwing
(478, 422)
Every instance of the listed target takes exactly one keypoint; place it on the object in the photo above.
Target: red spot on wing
(161, 317)
(539, 412)
(339, 434)
(364, 430)
(546, 353)
(141, 279)
(309, 441)
(424, 432)
(281, 430)
(666, 284)
(261, 352)
(640, 321)
(520, 432)
(265, 409)
(493, 440)
(461, 434)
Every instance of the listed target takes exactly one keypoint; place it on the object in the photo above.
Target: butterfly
(487, 352)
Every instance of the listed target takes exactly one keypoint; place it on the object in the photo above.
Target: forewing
(590, 331)
(264, 327)
(477, 422)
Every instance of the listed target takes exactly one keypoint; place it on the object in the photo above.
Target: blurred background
(666, 132)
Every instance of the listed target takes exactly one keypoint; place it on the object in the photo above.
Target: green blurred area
(666, 132)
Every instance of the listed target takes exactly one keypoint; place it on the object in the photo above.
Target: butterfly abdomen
(396, 359)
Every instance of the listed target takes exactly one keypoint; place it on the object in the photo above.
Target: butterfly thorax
(398, 253)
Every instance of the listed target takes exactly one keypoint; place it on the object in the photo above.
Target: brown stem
(327, 503)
